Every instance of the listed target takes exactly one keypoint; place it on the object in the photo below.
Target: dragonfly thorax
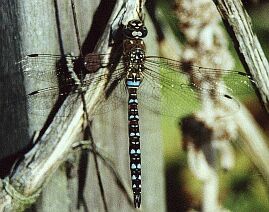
(134, 54)
(137, 56)
(134, 59)
(131, 45)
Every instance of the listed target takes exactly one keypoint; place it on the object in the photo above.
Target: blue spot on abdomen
(131, 83)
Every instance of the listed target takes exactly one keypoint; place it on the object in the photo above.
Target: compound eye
(144, 31)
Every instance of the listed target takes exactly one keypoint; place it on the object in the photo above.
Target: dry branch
(238, 24)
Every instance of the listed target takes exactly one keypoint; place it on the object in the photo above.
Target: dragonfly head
(135, 29)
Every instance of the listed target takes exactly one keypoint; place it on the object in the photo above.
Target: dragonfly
(160, 81)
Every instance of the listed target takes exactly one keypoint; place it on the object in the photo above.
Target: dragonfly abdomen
(133, 81)
(134, 145)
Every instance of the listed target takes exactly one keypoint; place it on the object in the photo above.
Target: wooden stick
(239, 26)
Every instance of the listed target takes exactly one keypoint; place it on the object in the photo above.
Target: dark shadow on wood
(82, 176)
(99, 23)
(58, 24)
(151, 6)
(14, 137)
(7, 163)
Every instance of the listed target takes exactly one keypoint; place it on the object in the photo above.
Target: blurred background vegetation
(242, 188)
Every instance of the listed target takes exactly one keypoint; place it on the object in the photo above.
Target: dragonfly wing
(50, 99)
(47, 67)
(115, 95)
(176, 94)
(57, 83)
(39, 102)
(167, 94)
(115, 92)
(236, 82)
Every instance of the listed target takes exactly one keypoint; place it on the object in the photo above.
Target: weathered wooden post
(29, 27)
